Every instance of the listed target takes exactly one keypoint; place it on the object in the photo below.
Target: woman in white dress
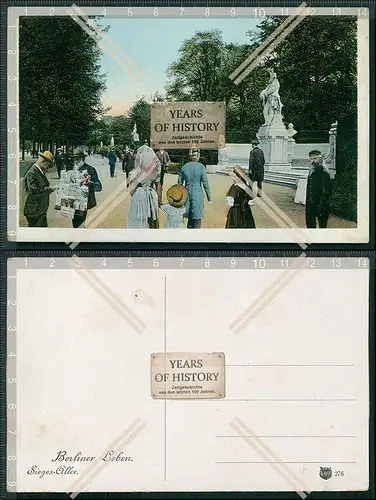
(145, 189)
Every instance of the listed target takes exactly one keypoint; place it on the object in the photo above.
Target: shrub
(344, 191)
(173, 168)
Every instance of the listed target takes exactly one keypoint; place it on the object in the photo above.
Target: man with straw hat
(38, 191)
(175, 208)
(194, 177)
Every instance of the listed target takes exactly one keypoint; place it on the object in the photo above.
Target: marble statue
(223, 156)
(112, 141)
(271, 100)
(291, 131)
(222, 151)
(135, 135)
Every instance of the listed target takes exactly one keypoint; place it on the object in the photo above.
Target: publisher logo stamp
(188, 375)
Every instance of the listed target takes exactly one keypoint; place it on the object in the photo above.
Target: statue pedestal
(274, 143)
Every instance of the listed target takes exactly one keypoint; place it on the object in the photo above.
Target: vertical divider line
(165, 399)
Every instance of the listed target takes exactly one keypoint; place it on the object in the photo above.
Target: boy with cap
(90, 179)
(318, 192)
(176, 196)
(193, 176)
(59, 161)
(38, 191)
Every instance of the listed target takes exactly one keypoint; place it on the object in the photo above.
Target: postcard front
(266, 153)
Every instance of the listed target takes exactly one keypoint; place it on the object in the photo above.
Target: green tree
(139, 114)
(202, 73)
(196, 74)
(121, 130)
(60, 81)
(316, 68)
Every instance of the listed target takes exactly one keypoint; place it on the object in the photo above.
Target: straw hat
(177, 195)
(47, 156)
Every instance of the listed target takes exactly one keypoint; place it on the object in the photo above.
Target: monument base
(277, 167)
(273, 140)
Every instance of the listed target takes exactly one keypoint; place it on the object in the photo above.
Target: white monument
(273, 135)
(135, 135)
(112, 141)
(290, 141)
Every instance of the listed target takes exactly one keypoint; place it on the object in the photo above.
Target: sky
(150, 46)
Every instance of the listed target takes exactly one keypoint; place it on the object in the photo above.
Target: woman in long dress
(145, 189)
(240, 200)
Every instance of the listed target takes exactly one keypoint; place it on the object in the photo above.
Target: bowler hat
(177, 195)
(255, 142)
(47, 156)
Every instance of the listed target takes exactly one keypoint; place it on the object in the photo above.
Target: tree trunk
(23, 149)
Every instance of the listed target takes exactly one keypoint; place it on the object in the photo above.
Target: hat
(194, 152)
(314, 152)
(47, 156)
(255, 141)
(177, 195)
(79, 153)
(132, 146)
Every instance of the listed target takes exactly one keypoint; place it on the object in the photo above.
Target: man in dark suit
(165, 160)
(38, 191)
(318, 192)
(128, 160)
(256, 166)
